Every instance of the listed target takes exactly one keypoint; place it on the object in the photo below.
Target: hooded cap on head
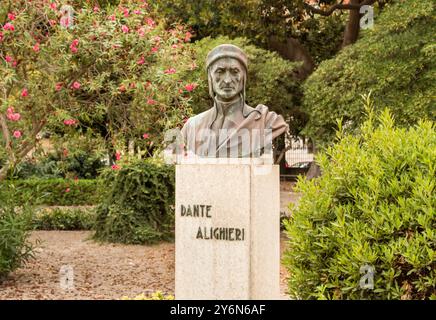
(226, 51)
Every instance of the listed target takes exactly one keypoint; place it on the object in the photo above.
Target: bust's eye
(235, 71)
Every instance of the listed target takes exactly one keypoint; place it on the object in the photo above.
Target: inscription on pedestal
(211, 233)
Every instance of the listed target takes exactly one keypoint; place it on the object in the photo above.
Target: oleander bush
(138, 205)
(64, 218)
(56, 192)
(373, 206)
(15, 223)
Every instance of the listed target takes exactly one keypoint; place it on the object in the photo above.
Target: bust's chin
(230, 97)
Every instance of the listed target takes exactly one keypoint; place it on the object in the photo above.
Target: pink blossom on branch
(125, 28)
(76, 85)
(58, 86)
(70, 122)
(9, 26)
(1, 36)
(151, 101)
(190, 87)
(170, 71)
(116, 167)
(145, 135)
(36, 47)
(17, 134)
(11, 16)
(141, 60)
(24, 93)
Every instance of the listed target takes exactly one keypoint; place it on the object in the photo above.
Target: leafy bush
(396, 61)
(64, 218)
(56, 192)
(80, 165)
(138, 206)
(115, 72)
(374, 205)
(14, 227)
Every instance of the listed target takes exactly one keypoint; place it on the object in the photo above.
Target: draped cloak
(240, 133)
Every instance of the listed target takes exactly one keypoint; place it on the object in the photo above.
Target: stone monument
(227, 192)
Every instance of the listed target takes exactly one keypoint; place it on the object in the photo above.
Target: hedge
(54, 192)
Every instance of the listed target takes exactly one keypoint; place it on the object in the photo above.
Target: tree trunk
(352, 28)
(291, 49)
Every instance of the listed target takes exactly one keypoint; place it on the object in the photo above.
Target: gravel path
(101, 271)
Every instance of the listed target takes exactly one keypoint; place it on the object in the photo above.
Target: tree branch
(339, 6)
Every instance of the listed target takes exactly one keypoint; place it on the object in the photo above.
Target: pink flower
(70, 122)
(53, 5)
(111, 17)
(96, 9)
(151, 101)
(58, 86)
(157, 38)
(141, 32)
(67, 190)
(141, 60)
(52, 22)
(170, 71)
(14, 64)
(76, 85)
(36, 47)
(115, 167)
(145, 135)
(125, 28)
(14, 116)
(65, 152)
(137, 12)
(122, 88)
(174, 46)
(24, 92)
(8, 58)
(17, 134)
(188, 36)
(11, 16)
(10, 110)
(9, 26)
(191, 86)
(1, 36)
(126, 12)
(154, 49)
(73, 45)
(150, 22)
(117, 155)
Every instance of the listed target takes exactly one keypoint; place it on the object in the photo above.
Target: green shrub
(64, 218)
(80, 165)
(57, 192)
(395, 60)
(138, 206)
(14, 227)
(374, 205)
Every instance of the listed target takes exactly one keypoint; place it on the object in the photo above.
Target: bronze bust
(226, 127)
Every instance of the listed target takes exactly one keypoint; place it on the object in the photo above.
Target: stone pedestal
(227, 230)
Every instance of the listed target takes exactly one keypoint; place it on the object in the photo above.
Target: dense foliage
(395, 60)
(374, 205)
(64, 218)
(138, 206)
(54, 192)
(15, 223)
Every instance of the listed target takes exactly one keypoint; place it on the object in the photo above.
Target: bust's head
(227, 72)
